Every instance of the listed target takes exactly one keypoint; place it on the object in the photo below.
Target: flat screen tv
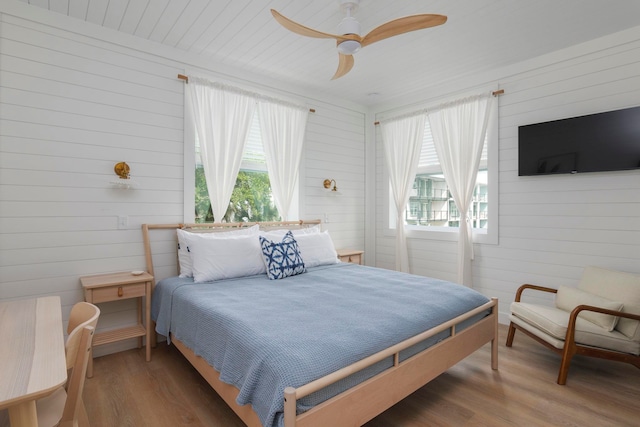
(598, 142)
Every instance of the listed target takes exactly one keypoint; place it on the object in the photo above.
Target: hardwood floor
(127, 391)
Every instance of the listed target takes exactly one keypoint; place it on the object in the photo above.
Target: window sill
(447, 234)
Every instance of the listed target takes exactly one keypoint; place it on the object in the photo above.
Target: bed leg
(494, 341)
(289, 407)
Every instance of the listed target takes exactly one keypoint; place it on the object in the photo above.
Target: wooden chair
(599, 318)
(64, 407)
(82, 314)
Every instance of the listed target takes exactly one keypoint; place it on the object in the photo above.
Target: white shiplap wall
(550, 227)
(335, 149)
(72, 104)
(71, 107)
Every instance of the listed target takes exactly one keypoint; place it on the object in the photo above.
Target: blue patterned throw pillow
(282, 259)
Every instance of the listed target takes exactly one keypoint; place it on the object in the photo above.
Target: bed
(335, 344)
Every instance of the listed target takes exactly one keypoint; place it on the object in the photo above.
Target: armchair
(600, 318)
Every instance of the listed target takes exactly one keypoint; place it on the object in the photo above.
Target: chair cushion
(552, 323)
(569, 298)
(616, 286)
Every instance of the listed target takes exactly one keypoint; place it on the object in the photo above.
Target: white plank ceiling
(241, 34)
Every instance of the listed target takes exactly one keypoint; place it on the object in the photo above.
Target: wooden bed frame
(368, 399)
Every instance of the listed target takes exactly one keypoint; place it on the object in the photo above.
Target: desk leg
(24, 414)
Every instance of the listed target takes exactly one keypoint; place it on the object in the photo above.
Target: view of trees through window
(252, 199)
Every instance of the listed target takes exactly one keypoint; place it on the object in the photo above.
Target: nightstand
(119, 286)
(352, 256)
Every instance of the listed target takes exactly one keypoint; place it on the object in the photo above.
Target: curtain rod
(186, 80)
(494, 93)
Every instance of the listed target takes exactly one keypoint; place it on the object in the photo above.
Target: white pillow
(317, 249)
(225, 258)
(569, 298)
(308, 230)
(184, 252)
(279, 233)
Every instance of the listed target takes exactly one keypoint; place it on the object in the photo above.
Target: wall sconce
(122, 169)
(327, 184)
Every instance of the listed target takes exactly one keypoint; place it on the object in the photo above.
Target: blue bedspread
(264, 335)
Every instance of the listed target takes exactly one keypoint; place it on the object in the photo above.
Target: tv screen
(598, 142)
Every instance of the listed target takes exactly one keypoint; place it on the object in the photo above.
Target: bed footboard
(359, 404)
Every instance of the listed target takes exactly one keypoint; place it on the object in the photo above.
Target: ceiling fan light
(349, 47)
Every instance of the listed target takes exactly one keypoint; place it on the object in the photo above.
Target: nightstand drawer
(113, 293)
(355, 259)
(352, 256)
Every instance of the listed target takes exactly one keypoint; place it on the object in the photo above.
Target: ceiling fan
(349, 40)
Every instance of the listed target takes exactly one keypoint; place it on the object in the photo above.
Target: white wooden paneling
(114, 13)
(78, 8)
(131, 19)
(478, 36)
(96, 12)
(73, 105)
(550, 227)
(335, 149)
(70, 108)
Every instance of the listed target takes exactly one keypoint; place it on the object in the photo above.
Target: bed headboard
(212, 227)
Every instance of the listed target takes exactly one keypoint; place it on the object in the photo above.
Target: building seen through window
(430, 202)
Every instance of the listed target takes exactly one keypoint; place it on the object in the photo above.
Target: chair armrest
(533, 287)
(578, 309)
(571, 327)
(571, 348)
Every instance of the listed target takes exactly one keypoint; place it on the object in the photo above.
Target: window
(251, 199)
(431, 212)
(430, 203)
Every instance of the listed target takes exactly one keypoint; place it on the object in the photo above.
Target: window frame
(487, 235)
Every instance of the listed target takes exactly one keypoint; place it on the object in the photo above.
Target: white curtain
(282, 128)
(402, 141)
(458, 130)
(222, 118)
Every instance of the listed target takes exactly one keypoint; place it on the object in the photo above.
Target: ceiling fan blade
(301, 29)
(345, 65)
(401, 26)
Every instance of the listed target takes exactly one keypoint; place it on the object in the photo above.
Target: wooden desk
(32, 355)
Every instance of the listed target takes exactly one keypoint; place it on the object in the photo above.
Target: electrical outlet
(123, 222)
